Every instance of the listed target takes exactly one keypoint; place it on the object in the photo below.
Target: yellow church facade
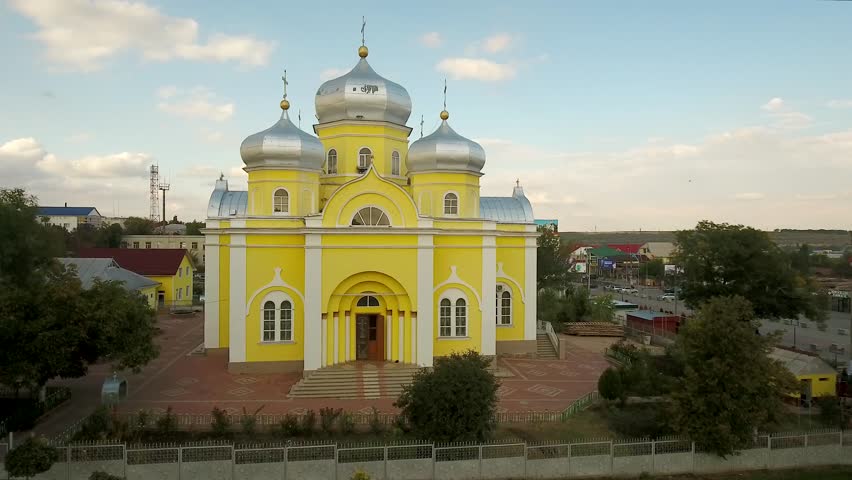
(354, 245)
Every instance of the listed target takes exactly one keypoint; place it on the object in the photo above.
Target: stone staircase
(358, 380)
(544, 347)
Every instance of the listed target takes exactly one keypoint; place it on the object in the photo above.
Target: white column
(425, 303)
(489, 292)
(324, 349)
(530, 288)
(413, 337)
(388, 336)
(211, 292)
(237, 313)
(401, 335)
(336, 333)
(313, 296)
(346, 346)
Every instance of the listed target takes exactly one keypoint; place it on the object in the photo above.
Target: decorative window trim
(370, 160)
(500, 316)
(396, 163)
(328, 165)
(278, 299)
(454, 300)
(444, 204)
(365, 207)
(287, 196)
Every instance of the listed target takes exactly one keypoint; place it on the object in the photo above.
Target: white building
(70, 218)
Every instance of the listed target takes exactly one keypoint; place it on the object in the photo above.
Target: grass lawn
(829, 473)
(590, 423)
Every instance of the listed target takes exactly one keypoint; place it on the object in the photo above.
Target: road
(805, 338)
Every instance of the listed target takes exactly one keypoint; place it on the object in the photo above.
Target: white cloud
(749, 196)
(839, 104)
(330, 73)
(431, 39)
(198, 102)
(783, 116)
(476, 69)
(497, 43)
(774, 105)
(83, 34)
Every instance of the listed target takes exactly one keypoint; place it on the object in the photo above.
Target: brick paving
(190, 383)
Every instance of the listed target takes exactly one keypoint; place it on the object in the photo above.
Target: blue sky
(622, 115)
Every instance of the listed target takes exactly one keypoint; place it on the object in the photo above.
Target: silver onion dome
(444, 149)
(362, 94)
(283, 145)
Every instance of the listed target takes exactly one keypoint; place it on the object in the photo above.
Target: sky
(612, 115)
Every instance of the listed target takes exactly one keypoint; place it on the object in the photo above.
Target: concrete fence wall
(422, 461)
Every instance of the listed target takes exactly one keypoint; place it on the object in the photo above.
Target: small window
(331, 162)
(368, 301)
(395, 163)
(187, 292)
(180, 272)
(446, 318)
(365, 158)
(281, 201)
(451, 204)
(180, 294)
(286, 322)
(823, 379)
(461, 318)
(182, 244)
(123, 244)
(370, 217)
(135, 244)
(147, 244)
(268, 322)
(504, 306)
(195, 245)
(187, 270)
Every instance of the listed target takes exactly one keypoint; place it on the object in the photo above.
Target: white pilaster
(530, 288)
(237, 313)
(211, 292)
(313, 294)
(489, 292)
(336, 333)
(388, 336)
(425, 286)
(413, 337)
(324, 349)
(346, 346)
(401, 335)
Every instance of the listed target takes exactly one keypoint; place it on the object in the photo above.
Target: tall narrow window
(461, 318)
(365, 158)
(504, 307)
(331, 163)
(286, 319)
(451, 204)
(281, 201)
(446, 318)
(268, 322)
(395, 163)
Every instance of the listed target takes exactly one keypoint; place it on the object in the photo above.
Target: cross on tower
(363, 24)
(284, 78)
(421, 126)
(445, 94)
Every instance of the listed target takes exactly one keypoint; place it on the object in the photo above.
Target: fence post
(180, 463)
(611, 457)
(653, 456)
(287, 459)
(385, 477)
(233, 462)
(526, 454)
(124, 450)
(434, 460)
(806, 440)
(693, 457)
(480, 460)
(68, 461)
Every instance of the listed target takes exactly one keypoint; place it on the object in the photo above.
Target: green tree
(730, 388)
(800, 259)
(610, 386)
(552, 266)
(49, 325)
(194, 227)
(30, 458)
(727, 260)
(455, 401)
(654, 269)
(138, 226)
(601, 309)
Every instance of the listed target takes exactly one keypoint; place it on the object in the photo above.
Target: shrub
(327, 417)
(830, 411)
(142, 419)
(221, 422)
(636, 422)
(610, 386)
(360, 475)
(347, 423)
(376, 426)
(103, 476)
(167, 424)
(249, 421)
(24, 415)
(30, 458)
(97, 425)
(289, 426)
(454, 401)
(309, 421)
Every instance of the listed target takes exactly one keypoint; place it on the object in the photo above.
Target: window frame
(453, 315)
(328, 164)
(499, 315)
(280, 317)
(286, 196)
(372, 225)
(368, 157)
(194, 245)
(456, 206)
(135, 244)
(395, 163)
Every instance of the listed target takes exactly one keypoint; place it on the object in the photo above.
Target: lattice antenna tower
(154, 193)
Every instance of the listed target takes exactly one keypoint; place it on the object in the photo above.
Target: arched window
(446, 318)
(368, 301)
(269, 322)
(452, 314)
(461, 318)
(451, 204)
(281, 201)
(395, 163)
(371, 217)
(504, 305)
(277, 314)
(365, 158)
(331, 162)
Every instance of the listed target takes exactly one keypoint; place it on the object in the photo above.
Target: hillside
(836, 239)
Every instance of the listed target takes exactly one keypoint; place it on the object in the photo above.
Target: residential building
(655, 323)
(193, 243)
(658, 251)
(70, 218)
(106, 269)
(358, 246)
(816, 377)
(171, 268)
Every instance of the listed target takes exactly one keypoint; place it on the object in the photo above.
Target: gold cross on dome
(284, 78)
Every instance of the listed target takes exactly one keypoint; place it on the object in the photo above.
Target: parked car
(630, 290)
(667, 297)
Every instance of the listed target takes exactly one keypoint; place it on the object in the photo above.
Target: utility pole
(164, 187)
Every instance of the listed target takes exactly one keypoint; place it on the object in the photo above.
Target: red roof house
(629, 248)
(144, 261)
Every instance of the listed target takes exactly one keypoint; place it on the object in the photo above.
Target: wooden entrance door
(369, 334)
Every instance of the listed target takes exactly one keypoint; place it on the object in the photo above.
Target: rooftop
(68, 211)
(144, 261)
(106, 269)
(802, 364)
(649, 314)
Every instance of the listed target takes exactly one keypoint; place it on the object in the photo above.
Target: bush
(25, 412)
(347, 423)
(142, 419)
(376, 426)
(830, 411)
(167, 424)
(610, 386)
(97, 425)
(360, 475)
(309, 421)
(103, 476)
(289, 426)
(639, 421)
(30, 458)
(249, 421)
(327, 417)
(221, 422)
(454, 401)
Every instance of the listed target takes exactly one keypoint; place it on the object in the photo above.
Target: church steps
(369, 380)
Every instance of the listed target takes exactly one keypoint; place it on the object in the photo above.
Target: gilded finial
(362, 50)
(285, 104)
(444, 113)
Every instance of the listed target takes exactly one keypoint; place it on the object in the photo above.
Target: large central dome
(362, 94)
